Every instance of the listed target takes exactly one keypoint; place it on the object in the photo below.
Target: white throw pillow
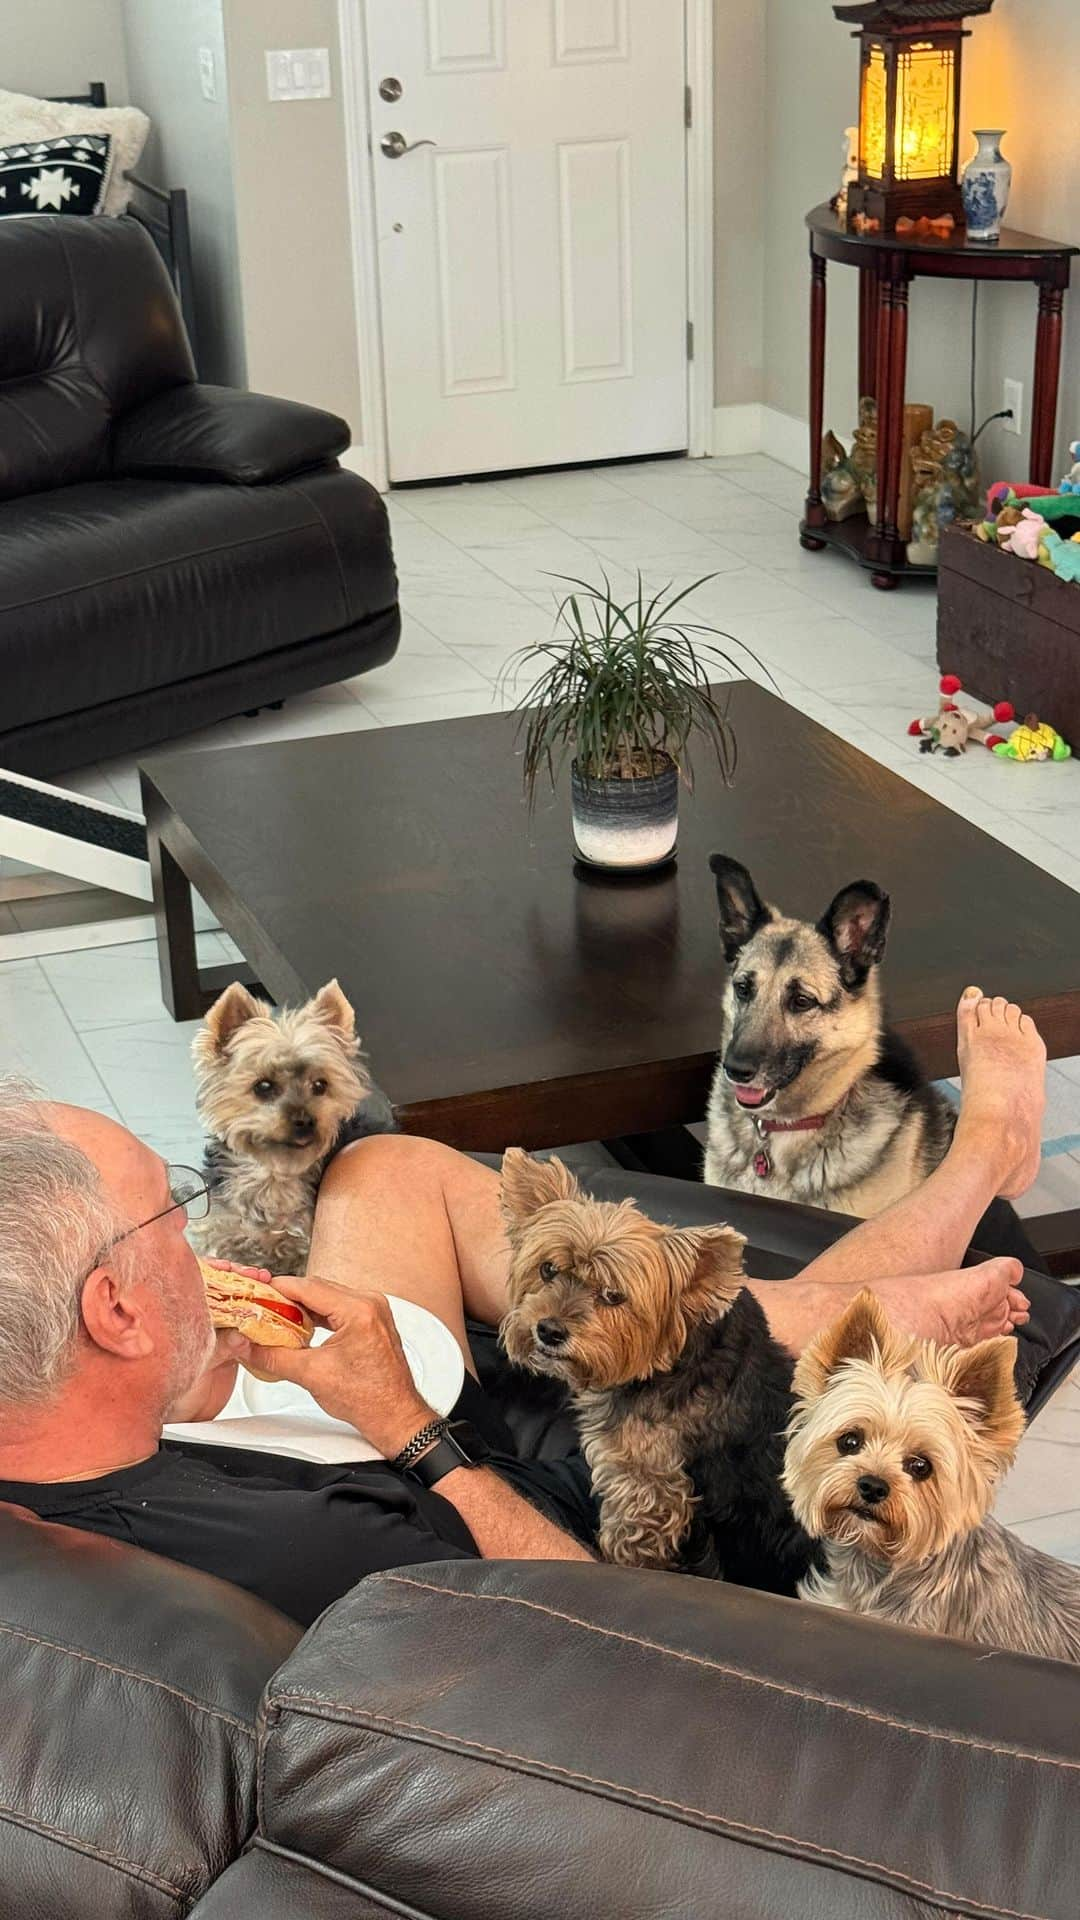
(22, 117)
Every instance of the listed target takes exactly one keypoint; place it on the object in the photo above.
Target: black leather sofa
(516, 1741)
(170, 553)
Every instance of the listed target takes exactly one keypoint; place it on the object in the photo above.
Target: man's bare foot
(1003, 1087)
(958, 1309)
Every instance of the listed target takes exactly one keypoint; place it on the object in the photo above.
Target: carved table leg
(1044, 397)
(868, 329)
(815, 511)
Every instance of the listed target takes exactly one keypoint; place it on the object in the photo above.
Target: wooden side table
(887, 264)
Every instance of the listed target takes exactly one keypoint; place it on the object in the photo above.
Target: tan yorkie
(680, 1391)
(894, 1452)
(278, 1094)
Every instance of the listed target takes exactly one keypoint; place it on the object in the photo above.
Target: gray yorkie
(895, 1448)
(279, 1094)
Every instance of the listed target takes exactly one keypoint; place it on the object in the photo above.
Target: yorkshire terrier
(278, 1094)
(680, 1392)
(895, 1449)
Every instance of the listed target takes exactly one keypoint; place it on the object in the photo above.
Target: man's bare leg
(415, 1218)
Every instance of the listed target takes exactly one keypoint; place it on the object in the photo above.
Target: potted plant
(623, 687)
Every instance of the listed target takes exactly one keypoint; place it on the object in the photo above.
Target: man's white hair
(55, 1221)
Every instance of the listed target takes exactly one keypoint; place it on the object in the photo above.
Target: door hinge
(688, 106)
(689, 339)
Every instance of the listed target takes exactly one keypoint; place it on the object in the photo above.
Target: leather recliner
(517, 1741)
(170, 553)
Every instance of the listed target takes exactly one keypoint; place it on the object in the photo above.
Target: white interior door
(532, 260)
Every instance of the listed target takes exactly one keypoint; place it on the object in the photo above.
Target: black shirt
(297, 1534)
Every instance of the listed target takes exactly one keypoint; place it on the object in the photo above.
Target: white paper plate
(276, 1416)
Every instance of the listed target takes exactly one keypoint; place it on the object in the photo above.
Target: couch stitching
(546, 1767)
(740, 1673)
(332, 543)
(129, 1673)
(155, 566)
(79, 1845)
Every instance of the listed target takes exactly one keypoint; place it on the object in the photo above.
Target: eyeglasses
(187, 1189)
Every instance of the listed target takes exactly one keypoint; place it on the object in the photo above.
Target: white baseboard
(753, 428)
(785, 438)
(736, 429)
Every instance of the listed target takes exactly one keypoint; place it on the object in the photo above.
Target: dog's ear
(742, 910)
(861, 1332)
(711, 1258)
(984, 1375)
(230, 1011)
(855, 926)
(331, 1007)
(528, 1184)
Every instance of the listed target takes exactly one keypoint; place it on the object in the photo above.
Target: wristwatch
(457, 1444)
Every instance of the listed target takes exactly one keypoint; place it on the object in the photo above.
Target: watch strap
(459, 1446)
(420, 1442)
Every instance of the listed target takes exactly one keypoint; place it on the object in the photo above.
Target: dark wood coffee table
(506, 996)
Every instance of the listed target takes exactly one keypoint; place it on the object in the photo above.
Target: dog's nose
(872, 1490)
(303, 1126)
(551, 1333)
(738, 1070)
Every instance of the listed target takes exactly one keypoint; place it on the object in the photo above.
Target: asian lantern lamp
(909, 109)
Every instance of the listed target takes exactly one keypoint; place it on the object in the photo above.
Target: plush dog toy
(1071, 482)
(950, 729)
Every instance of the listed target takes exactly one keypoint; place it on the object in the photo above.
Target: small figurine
(949, 730)
(850, 483)
(946, 488)
(942, 227)
(1035, 739)
(1071, 482)
(849, 175)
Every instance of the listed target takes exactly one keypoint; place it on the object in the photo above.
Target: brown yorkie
(278, 1093)
(896, 1447)
(680, 1392)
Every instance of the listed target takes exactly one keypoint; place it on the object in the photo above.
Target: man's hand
(361, 1374)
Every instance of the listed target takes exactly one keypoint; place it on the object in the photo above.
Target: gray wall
(292, 212)
(58, 46)
(189, 147)
(1022, 72)
(739, 70)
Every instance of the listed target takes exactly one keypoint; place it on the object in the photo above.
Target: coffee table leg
(174, 926)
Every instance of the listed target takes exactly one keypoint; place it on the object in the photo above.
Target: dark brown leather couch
(171, 553)
(501, 1741)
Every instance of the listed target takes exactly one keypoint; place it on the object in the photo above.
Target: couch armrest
(199, 432)
(524, 1740)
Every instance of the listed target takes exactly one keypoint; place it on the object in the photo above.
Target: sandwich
(257, 1310)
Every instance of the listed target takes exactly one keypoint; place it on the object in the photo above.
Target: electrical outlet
(1014, 398)
(207, 76)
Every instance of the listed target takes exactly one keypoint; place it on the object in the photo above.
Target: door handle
(394, 145)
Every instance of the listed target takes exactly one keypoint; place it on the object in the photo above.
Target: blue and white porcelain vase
(985, 186)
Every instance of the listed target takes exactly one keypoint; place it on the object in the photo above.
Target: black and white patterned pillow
(68, 173)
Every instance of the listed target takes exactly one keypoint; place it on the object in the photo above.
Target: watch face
(471, 1445)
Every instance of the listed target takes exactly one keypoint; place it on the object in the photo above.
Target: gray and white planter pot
(625, 825)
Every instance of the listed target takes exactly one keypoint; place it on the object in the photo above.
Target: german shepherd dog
(813, 1099)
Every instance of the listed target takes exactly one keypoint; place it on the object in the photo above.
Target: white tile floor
(473, 562)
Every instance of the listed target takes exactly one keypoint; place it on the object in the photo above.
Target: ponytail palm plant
(622, 687)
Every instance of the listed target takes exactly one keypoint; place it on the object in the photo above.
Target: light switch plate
(207, 76)
(298, 73)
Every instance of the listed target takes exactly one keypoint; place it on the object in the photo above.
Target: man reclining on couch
(104, 1335)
